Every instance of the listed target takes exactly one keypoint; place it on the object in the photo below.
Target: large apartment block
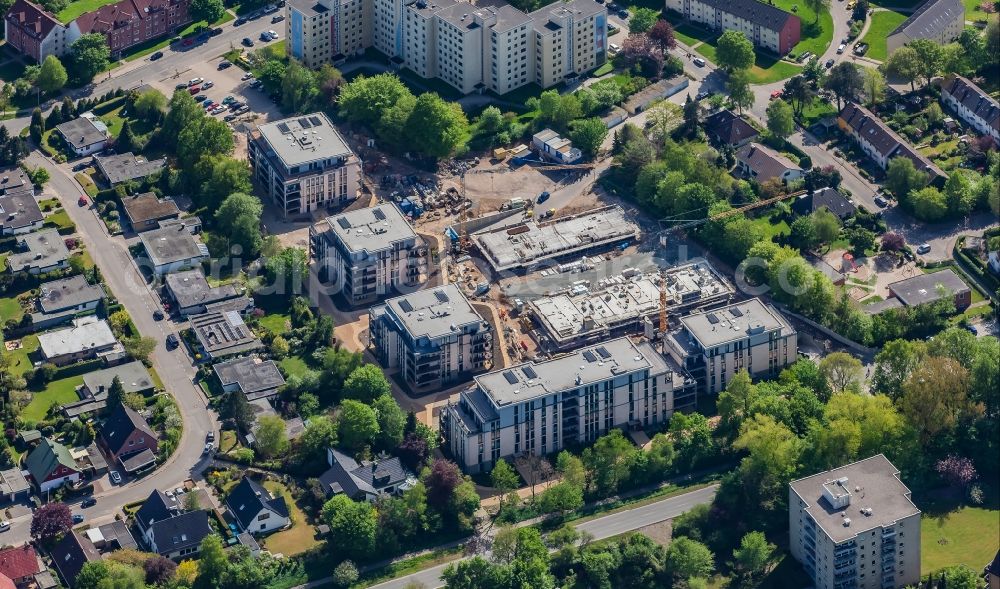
(473, 48)
(539, 408)
(714, 345)
(433, 337)
(855, 527)
(369, 253)
(766, 26)
(303, 164)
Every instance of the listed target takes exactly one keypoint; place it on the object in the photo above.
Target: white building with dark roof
(191, 293)
(855, 527)
(539, 408)
(973, 105)
(84, 135)
(255, 510)
(19, 213)
(940, 21)
(765, 25)
(366, 480)
(88, 338)
(433, 337)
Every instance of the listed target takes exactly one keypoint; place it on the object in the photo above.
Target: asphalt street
(173, 367)
(600, 528)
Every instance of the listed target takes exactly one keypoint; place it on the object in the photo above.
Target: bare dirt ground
(660, 532)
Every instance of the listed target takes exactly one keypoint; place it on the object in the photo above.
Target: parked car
(255, 84)
(194, 89)
(924, 248)
(972, 329)
(246, 76)
(841, 48)
(172, 342)
(702, 95)
(82, 201)
(230, 117)
(247, 42)
(225, 64)
(156, 56)
(543, 197)
(208, 105)
(200, 98)
(776, 94)
(4, 525)
(208, 84)
(271, 33)
(77, 518)
(210, 437)
(216, 31)
(158, 315)
(218, 110)
(195, 81)
(829, 63)
(881, 201)
(88, 502)
(698, 62)
(264, 36)
(623, 14)
(81, 166)
(180, 86)
(229, 99)
(277, 18)
(239, 21)
(209, 447)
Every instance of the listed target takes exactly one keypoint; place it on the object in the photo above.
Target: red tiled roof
(32, 18)
(18, 563)
(6, 583)
(112, 16)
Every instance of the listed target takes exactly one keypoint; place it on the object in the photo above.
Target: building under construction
(522, 246)
(622, 304)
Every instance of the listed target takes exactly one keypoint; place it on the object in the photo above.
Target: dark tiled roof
(353, 479)
(127, 166)
(928, 20)
(70, 554)
(765, 162)
(32, 19)
(975, 99)
(886, 141)
(19, 209)
(925, 288)
(147, 207)
(827, 198)
(759, 13)
(728, 128)
(181, 531)
(119, 426)
(157, 507)
(82, 132)
(249, 497)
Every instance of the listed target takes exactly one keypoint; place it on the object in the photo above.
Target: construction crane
(689, 223)
(663, 302)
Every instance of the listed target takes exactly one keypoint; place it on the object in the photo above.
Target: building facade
(855, 527)
(34, 32)
(540, 408)
(940, 21)
(766, 26)
(304, 164)
(433, 337)
(369, 253)
(973, 105)
(713, 346)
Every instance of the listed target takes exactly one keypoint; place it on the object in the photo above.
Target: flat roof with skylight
(734, 322)
(371, 230)
(433, 313)
(305, 139)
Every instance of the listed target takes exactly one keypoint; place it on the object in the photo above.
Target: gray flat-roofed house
(88, 338)
(125, 167)
(304, 164)
(254, 377)
(368, 253)
(223, 334)
(579, 396)
(940, 21)
(714, 345)
(859, 512)
(19, 213)
(364, 480)
(927, 288)
(84, 135)
(172, 248)
(433, 337)
(13, 485)
(42, 252)
(193, 295)
(145, 211)
(973, 105)
(15, 181)
(61, 300)
(94, 391)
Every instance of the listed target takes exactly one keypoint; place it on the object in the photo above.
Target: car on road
(82, 201)
(543, 197)
(77, 518)
(924, 248)
(880, 201)
(698, 62)
(156, 56)
(4, 525)
(215, 32)
(841, 48)
(172, 342)
(209, 447)
(225, 64)
(208, 84)
(247, 42)
(88, 502)
(239, 21)
(277, 18)
(195, 81)
(829, 63)
(210, 437)
(158, 315)
(115, 477)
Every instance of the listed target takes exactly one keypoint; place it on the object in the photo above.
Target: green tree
(345, 574)
(366, 384)
(861, 240)
(738, 85)
(365, 99)
(588, 135)
(608, 462)
(928, 204)
(754, 556)
(780, 119)
(353, 525)
(818, 7)
(298, 88)
(799, 93)
(826, 225)
(238, 219)
(288, 271)
(182, 112)
(357, 424)
(642, 20)
(212, 563)
(37, 125)
(688, 558)
(930, 56)
(873, 87)
(475, 573)
(223, 176)
(607, 93)
(774, 452)
(126, 140)
(845, 81)
(209, 11)
(116, 394)
(904, 63)
(320, 434)
(802, 234)
(738, 402)
(139, 348)
(894, 363)
(562, 497)
(960, 577)
(504, 480)
(437, 127)
(959, 191)
(734, 51)
(935, 396)
(902, 177)
(150, 105)
(391, 421)
(89, 54)
(203, 137)
(271, 437)
(52, 75)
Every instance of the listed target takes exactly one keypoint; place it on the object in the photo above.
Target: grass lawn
(228, 441)
(883, 23)
(967, 536)
(10, 309)
(604, 70)
(22, 363)
(296, 539)
(59, 391)
(294, 365)
(275, 323)
(87, 182)
(60, 219)
(816, 34)
(77, 8)
(690, 35)
(972, 10)
(770, 228)
(768, 67)
(154, 45)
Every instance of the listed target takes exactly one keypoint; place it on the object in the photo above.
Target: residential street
(600, 528)
(173, 367)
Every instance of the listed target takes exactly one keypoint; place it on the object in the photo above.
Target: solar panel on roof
(442, 296)
(378, 214)
(590, 356)
(712, 318)
(529, 372)
(304, 123)
(736, 312)
(283, 127)
(603, 352)
(315, 121)
(511, 379)
(344, 223)
(405, 306)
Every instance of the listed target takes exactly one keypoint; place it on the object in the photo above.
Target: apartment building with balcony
(855, 527)
(433, 337)
(766, 26)
(714, 345)
(539, 408)
(368, 254)
(303, 164)
(323, 31)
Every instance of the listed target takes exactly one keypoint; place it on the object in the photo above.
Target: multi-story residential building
(940, 21)
(881, 143)
(713, 346)
(973, 105)
(855, 527)
(471, 47)
(304, 164)
(38, 34)
(539, 408)
(433, 337)
(766, 26)
(368, 253)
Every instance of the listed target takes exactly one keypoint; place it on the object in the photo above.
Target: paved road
(173, 367)
(600, 528)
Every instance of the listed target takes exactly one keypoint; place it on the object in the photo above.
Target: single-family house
(84, 135)
(41, 252)
(167, 529)
(145, 211)
(20, 564)
(973, 105)
(554, 147)
(254, 508)
(191, 294)
(126, 167)
(70, 554)
(724, 127)
(88, 338)
(19, 213)
(59, 301)
(254, 377)
(940, 21)
(13, 485)
(762, 163)
(927, 288)
(172, 248)
(364, 480)
(222, 334)
(94, 390)
(127, 439)
(51, 466)
(824, 198)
